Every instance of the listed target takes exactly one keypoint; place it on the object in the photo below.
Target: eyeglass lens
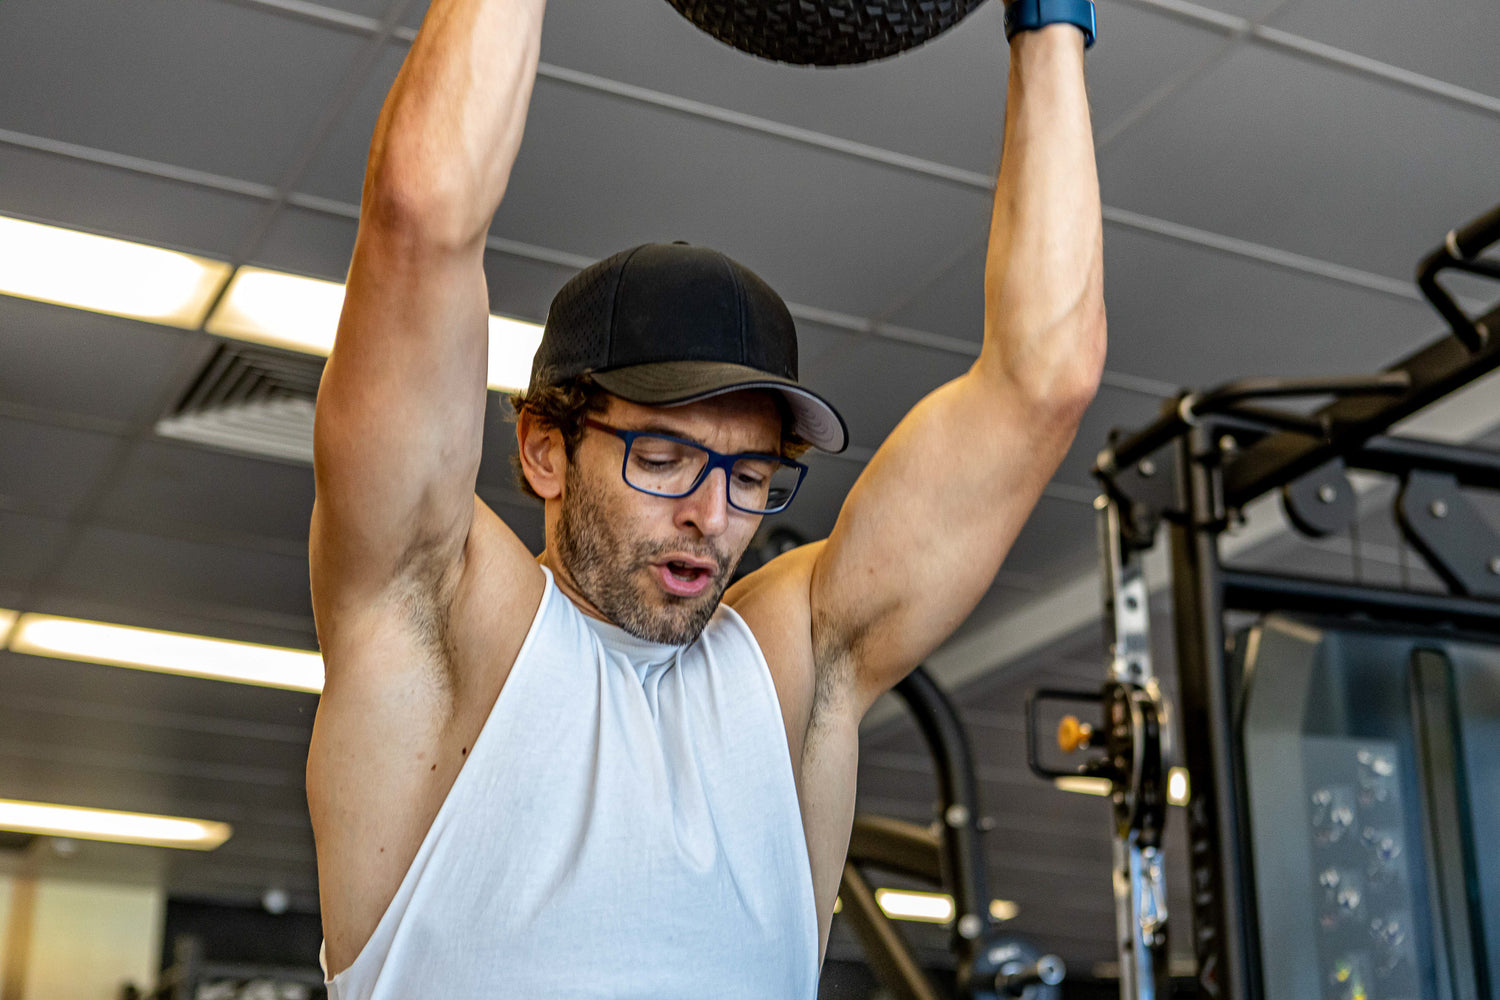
(671, 468)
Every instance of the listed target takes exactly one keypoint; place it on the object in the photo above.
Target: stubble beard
(607, 570)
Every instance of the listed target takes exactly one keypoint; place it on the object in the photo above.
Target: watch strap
(1029, 15)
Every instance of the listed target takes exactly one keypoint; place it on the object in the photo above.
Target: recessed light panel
(302, 314)
(168, 652)
(52, 820)
(70, 268)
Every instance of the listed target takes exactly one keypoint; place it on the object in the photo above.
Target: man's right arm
(408, 569)
(401, 407)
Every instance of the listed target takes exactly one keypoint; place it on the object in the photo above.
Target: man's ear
(544, 460)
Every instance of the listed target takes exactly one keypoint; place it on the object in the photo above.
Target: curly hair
(566, 406)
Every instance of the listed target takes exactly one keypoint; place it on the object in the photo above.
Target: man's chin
(678, 620)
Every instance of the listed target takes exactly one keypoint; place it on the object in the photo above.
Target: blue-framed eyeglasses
(673, 467)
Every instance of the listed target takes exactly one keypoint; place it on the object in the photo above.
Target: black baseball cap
(669, 323)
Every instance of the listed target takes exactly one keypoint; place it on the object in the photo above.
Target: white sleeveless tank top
(625, 826)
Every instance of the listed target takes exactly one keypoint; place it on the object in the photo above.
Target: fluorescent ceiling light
(69, 268)
(282, 310)
(926, 907)
(1178, 787)
(7, 619)
(107, 824)
(1083, 784)
(168, 652)
(512, 343)
(302, 314)
(1002, 910)
(925, 903)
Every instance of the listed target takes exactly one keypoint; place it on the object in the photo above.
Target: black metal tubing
(1400, 455)
(1224, 926)
(1183, 412)
(958, 794)
(1244, 590)
(897, 846)
(1458, 252)
(1435, 371)
(883, 944)
(948, 856)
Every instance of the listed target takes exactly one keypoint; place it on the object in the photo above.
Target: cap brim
(672, 383)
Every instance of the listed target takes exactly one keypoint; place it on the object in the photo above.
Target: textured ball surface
(824, 32)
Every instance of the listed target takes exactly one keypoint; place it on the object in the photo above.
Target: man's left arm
(925, 528)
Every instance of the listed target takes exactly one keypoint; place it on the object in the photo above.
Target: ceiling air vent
(254, 400)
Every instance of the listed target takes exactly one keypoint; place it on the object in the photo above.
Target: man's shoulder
(774, 604)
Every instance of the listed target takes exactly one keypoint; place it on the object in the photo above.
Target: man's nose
(707, 507)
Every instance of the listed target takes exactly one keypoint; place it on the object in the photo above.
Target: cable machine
(1342, 843)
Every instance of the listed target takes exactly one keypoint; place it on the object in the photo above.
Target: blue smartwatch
(1029, 15)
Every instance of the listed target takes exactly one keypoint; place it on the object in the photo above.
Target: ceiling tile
(1193, 317)
(51, 469)
(220, 756)
(213, 86)
(126, 567)
(28, 545)
(338, 169)
(375, 9)
(1057, 542)
(1302, 157)
(523, 288)
(81, 195)
(1256, 9)
(87, 363)
(166, 484)
(302, 241)
(942, 102)
(598, 174)
(950, 303)
(1451, 42)
(874, 382)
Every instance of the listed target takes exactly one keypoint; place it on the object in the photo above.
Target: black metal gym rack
(1375, 676)
(992, 964)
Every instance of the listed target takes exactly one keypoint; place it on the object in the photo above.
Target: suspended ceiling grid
(1271, 174)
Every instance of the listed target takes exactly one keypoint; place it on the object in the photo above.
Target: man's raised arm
(401, 407)
(925, 528)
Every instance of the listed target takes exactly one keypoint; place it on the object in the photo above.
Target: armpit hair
(424, 594)
(834, 658)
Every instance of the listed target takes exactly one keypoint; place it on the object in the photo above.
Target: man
(659, 784)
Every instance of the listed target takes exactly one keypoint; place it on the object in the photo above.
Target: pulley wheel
(824, 32)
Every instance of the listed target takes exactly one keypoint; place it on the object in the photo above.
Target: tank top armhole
(336, 985)
(804, 856)
(745, 630)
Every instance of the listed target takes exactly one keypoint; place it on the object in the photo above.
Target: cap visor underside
(670, 383)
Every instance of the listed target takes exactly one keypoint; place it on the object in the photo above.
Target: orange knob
(1073, 735)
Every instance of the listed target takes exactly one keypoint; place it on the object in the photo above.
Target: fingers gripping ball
(824, 32)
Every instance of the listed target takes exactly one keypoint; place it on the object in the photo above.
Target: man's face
(654, 566)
